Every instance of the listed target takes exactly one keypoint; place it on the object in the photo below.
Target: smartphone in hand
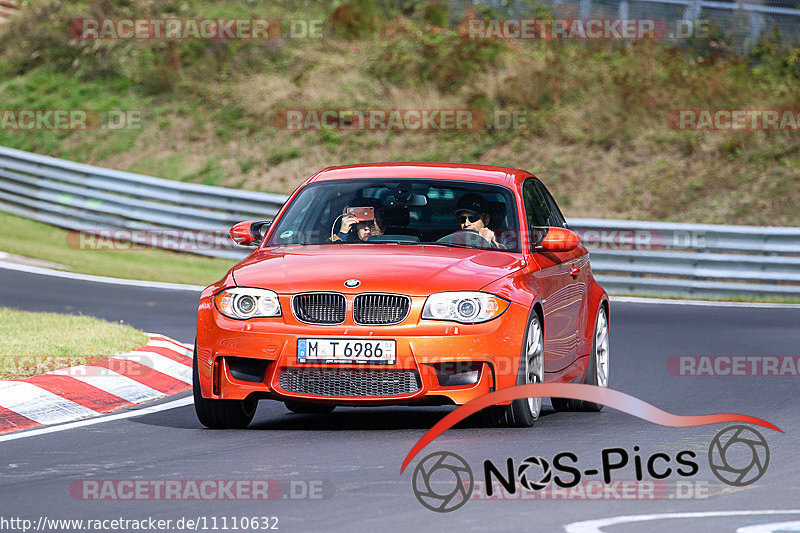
(362, 213)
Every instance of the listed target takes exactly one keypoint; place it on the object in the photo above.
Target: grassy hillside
(595, 131)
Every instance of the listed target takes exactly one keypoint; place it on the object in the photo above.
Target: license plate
(381, 352)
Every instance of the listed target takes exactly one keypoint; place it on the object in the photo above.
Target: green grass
(172, 166)
(34, 343)
(48, 87)
(595, 128)
(36, 240)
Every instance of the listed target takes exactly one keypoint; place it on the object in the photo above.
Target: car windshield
(404, 211)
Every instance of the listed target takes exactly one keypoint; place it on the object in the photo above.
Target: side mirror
(557, 240)
(250, 232)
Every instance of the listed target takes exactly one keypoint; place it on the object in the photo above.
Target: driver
(472, 214)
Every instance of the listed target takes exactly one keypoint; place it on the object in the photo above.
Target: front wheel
(525, 411)
(220, 414)
(597, 373)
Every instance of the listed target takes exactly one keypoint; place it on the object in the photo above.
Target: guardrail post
(586, 7)
(692, 13)
(623, 9)
(756, 25)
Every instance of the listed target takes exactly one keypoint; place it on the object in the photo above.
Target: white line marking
(111, 382)
(642, 300)
(40, 405)
(594, 526)
(171, 346)
(772, 527)
(99, 420)
(158, 362)
(101, 279)
(159, 337)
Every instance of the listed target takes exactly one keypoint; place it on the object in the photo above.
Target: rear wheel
(220, 414)
(308, 408)
(597, 373)
(525, 411)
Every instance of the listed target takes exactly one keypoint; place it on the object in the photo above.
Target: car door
(562, 278)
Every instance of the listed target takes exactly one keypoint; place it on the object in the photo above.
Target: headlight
(245, 302)
(466, 307)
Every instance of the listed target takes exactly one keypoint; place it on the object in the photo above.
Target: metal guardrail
(692, 259)
(627, 256)
(90, 199)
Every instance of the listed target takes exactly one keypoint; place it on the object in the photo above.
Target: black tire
(519, 414)
(572, 405)
(308, 408)
(220, 414)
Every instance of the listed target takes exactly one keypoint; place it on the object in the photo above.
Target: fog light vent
(458, 373)
(247, 369)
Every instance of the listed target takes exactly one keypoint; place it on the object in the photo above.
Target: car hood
(413, 270)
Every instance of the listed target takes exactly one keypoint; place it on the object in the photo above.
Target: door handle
(574, 271)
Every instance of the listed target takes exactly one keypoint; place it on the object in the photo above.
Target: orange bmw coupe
(402, 284)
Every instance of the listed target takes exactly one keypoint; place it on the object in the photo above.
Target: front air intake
(349, 382)
(380, 309)
(319, 308)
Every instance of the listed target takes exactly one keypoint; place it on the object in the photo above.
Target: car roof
(449, 171)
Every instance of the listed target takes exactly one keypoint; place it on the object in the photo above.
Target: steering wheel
(467, 237)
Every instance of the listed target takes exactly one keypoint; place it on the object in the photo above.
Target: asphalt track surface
(356, 453)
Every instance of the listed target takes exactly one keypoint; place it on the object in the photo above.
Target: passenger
(472, 214)
(351, 230)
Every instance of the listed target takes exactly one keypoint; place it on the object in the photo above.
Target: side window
(556, 218)
(537, 210)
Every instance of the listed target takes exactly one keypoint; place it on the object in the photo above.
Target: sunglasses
(471, 218)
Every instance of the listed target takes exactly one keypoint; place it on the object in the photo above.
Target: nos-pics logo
(443, 481)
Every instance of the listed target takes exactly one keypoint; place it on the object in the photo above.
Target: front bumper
(426, 351)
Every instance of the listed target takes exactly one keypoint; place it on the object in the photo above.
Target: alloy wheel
(534, 363)
(601, 348)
